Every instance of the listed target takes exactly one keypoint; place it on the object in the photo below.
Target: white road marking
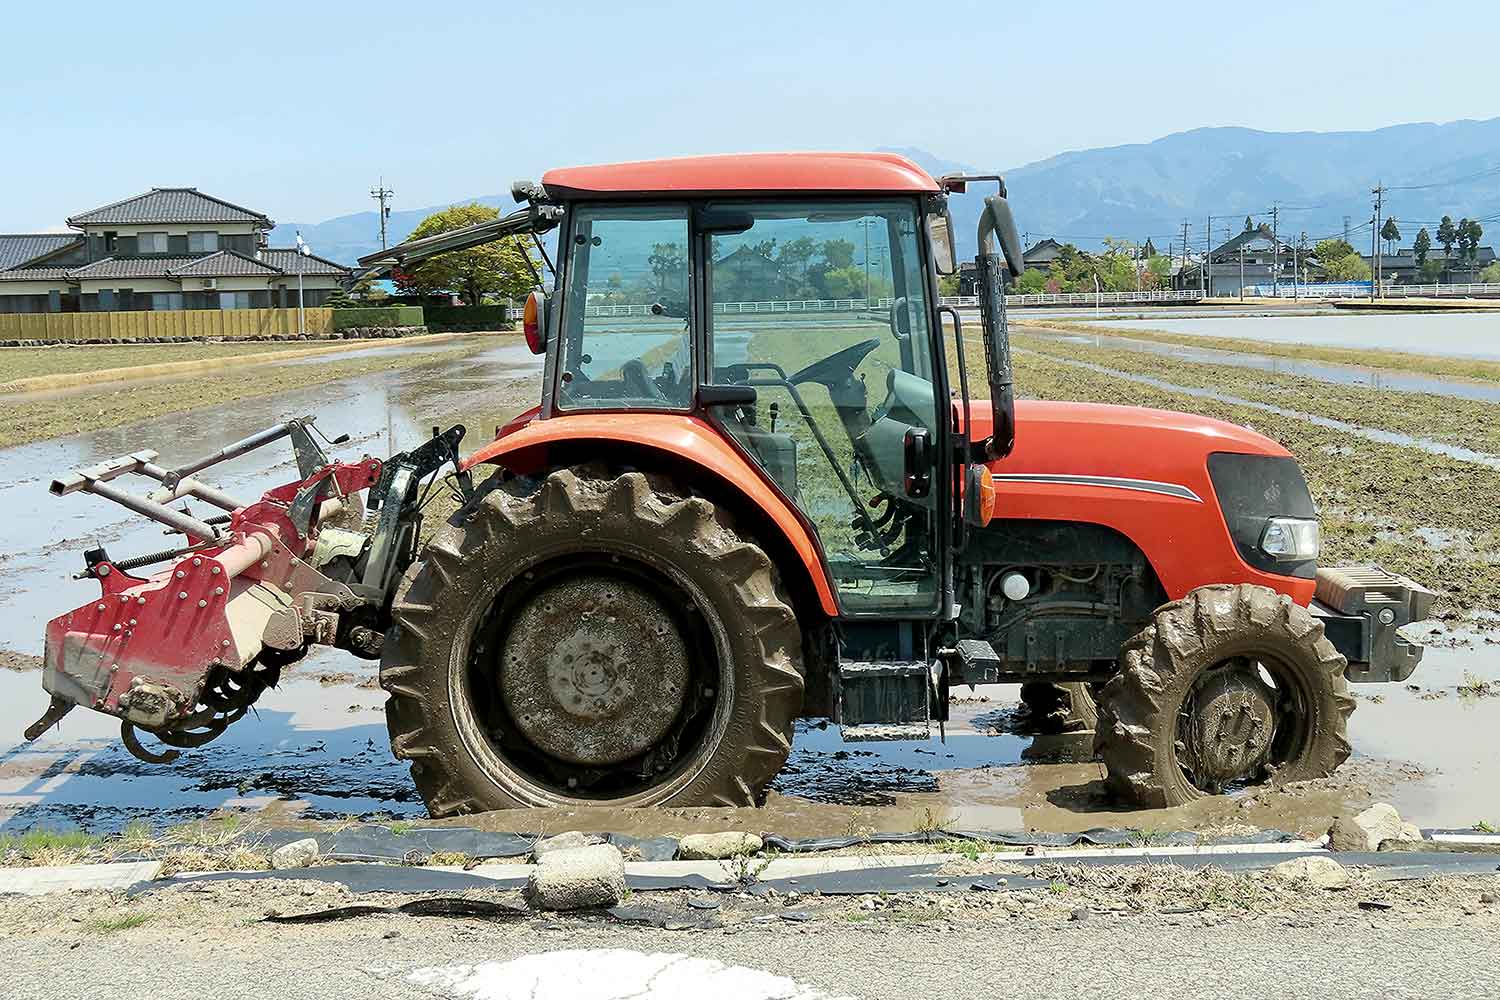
(609, 974)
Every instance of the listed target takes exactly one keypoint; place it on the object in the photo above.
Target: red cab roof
(747, 173)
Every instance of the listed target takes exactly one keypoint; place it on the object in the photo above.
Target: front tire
(593, 638)
(1231, 685)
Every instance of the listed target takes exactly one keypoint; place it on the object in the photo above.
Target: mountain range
(1317, 180)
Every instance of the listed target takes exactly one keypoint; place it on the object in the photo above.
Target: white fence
(1361, 290)
(862, 305)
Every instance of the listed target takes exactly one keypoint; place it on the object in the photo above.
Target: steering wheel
(837, 368)
(633, 373)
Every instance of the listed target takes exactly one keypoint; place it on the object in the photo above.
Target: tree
(1327, 250)
(1391, 233)
(1033, 281)
(668, 263)
(1422, 246)
(339, 299)
(1431, 272)
(1491, 274)
(505, 267)
(1447, 236)
(1248, 224)
(1349, 267)
(947, 285)
(1469, 234)
(838, 253)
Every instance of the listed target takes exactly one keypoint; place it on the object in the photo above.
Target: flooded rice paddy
(1452, 334)
(316, 747)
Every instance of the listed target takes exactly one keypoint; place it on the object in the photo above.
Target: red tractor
(713, 524)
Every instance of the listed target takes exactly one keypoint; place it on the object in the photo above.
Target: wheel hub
(1230, 727)
(594, 670)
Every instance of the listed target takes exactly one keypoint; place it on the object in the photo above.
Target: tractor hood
(1133, 442)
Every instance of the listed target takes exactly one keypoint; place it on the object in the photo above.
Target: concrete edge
(65, 878)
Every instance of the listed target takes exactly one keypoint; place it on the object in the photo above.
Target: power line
(382, 194)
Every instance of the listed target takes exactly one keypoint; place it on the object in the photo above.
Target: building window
(203, 242)
(110, 238)
(165, 301)
(151, 243)
(234, 300)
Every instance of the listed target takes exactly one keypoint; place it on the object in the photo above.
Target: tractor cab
(801, 322)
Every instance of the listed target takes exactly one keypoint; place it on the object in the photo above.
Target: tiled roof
(18, 248)
(130, 267)
(224, 264)
(35, 274)
(168, 205)
(289, 260)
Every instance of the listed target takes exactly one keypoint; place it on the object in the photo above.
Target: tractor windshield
(822, 307)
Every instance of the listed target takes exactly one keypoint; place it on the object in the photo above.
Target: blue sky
(297, 109)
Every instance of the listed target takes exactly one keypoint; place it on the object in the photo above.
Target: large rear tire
(1232, 685)
(593, 638)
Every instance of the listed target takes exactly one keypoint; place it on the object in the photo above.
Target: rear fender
(681, 440)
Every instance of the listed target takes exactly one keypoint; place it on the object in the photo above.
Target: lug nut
(202, 604)
(182, 574)
(197, 562)
(101, 607)
(218, 591)
(123, 598)
(140, 600)
(224, 643)
(117, 627)
(214, 570)
(182, 595)
(132, 623)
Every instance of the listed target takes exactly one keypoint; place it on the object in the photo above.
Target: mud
(1467, 335)
(317, 750)
(19, 662)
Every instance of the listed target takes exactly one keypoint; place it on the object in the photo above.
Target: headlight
(1291, 538)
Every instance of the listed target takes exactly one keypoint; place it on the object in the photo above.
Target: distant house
(1041, 256)
(747, 275)
(1251, 258)
(1402, 267)
(170, 248)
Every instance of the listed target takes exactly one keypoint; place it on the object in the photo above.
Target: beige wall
(176, 228)
(32, 287)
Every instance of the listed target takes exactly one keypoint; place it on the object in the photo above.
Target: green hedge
(343, 319)
(451, 319)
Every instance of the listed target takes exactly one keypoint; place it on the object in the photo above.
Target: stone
(579, 878)
(1411, 831)
(717, 846)
(1079, 913)
(1365, 831)
(1487, 898)
(1319, 872)
(569, 841)
(297, 854)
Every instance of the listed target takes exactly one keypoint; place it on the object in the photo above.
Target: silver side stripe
(1111, 482)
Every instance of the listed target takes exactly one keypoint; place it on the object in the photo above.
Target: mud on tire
(1143, 709)
(442, 649)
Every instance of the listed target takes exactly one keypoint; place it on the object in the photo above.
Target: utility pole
(1242, 272)
(1208, 259)
(1298, 248)
(1184, 253)
(382, 194)
(1379, 192)
(1275, 253)
(1346, 230)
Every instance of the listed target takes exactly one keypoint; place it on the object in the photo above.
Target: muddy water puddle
(1470, 335)
(317, 749)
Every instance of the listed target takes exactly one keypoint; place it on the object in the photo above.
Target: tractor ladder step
(885, 700)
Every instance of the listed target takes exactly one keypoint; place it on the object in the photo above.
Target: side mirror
(998, 221)
(940, 233)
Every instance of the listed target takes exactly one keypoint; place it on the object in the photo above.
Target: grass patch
(47, 847)
(1488, 371)
(1474, 686)
(119, 922)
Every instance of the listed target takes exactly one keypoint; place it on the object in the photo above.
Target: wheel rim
(1242, 720)
(593, 672)
(647, 685)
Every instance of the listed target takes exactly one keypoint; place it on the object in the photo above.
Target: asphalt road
(1101, 958)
